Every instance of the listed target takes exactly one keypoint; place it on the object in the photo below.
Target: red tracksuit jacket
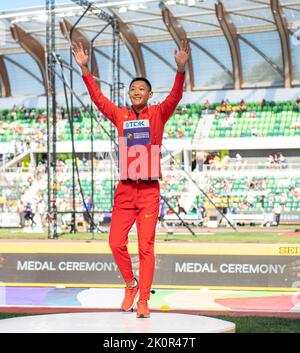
(140, 138)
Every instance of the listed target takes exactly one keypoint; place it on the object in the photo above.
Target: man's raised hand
(81, 55)
(182, 56)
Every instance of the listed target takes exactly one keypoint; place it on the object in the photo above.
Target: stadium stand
(26, 129)
(29, 125)
(254, 119)
(183, 123)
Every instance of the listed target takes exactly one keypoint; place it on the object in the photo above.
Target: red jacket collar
(132, 112)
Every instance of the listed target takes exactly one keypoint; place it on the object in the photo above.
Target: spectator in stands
(169, 211)
(78, 130)
(40, 170)
(194, 161)
(30, 180)
(202, 211)
(251, 200)
(200, 160)
(26, 114)
(277, 212)
(254, 131)
(238, 161)
(41, 210)
(262, 201)
(231, 119)
(217, 115)
(193, 210)
(283, 163)
(225, 162)
(217, 161)
(88, 207)
(2, 203)
(207, 160)
(294, 192)
(206, 105)
(162, 213)
(3, 116)
(224, 122)
(181, 211)
(262, 103)
(189, 122)
(32, 113)
(27, 142)
(270, 162)
(13, 113)
(179, 132)
(295, 124)
(20, 210)
(28, 214)
(265, 183)
(61, 111)
(221, 107)
(100, 117)
(16, 148)
(170, 132)
(66, 216)
(243, 205)
(243, 106)
(85, 164)
(181, 109)
(276, 160)
(172, 165)
(41, 118)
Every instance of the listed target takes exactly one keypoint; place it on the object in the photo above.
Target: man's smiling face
(139, 94)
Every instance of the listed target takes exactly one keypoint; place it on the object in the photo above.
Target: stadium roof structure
(235, 43)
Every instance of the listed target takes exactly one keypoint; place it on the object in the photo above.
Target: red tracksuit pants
(135, 201)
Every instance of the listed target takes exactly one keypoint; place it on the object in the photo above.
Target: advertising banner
(278, 270)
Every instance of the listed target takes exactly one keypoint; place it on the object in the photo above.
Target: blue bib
(136, 132)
